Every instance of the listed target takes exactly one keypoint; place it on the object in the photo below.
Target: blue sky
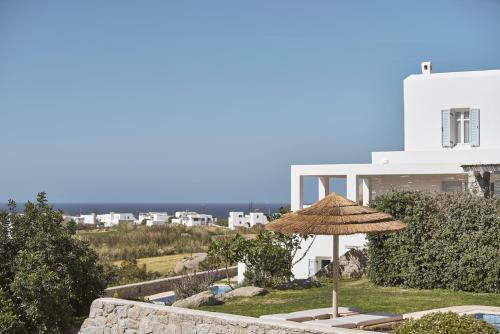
(212, 101)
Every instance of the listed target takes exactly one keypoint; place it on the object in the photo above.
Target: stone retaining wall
(148, 288)
(110, 316)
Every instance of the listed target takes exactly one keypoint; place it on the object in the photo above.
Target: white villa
(89, 219)
(239, 219)
(190, 218)
(451, 143)
(153, 218)
(114, 218)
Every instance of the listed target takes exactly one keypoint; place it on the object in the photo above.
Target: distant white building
(153, 218)
(114, 218)
(89, 219)
(239, 219)
(190, 218)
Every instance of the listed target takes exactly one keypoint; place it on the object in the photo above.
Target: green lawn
(354, 293)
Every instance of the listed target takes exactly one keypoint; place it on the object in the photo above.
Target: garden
(447, 256)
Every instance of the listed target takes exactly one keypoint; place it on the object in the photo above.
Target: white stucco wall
(426, 95)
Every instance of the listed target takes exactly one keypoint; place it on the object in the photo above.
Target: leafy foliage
(451, 241)
(446, 323)
(226, 251)
(46, 275)
(130, 272)
(9, 321)
(268, 257)
(193, 284)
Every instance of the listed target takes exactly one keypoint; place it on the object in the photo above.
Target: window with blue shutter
(446, 128)
(474, 127)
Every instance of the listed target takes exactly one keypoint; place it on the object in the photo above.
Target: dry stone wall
(149, 288)
(113, 316)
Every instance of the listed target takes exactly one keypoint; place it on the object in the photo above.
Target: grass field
(162, 264)
(354, 293)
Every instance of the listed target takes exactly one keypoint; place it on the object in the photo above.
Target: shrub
(128, 241)
(451, 241)
(46, 275)
(445, 323)
(192, 284)
(9, 321)
(268, 259)
(129, 272)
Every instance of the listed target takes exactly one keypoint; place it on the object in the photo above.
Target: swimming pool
(220, 289)
(493, 319)
(169, 299)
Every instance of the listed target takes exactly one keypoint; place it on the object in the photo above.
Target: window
(462, 127)
(453, 186)
(496, 188)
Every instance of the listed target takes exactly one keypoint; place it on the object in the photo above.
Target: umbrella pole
(335, 271)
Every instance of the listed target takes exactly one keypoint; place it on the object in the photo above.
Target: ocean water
(218, 210)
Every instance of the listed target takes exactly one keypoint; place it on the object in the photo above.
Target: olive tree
(46, 275)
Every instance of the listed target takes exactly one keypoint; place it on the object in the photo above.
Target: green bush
(129, 272)
(268, 257)
(46, 275)
(451, 241)
(445, 323)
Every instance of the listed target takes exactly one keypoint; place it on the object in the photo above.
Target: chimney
(426, 67)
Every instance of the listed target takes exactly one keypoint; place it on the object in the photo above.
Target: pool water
(217, 290)
(167, 300)
(493, 319)
(220, 289)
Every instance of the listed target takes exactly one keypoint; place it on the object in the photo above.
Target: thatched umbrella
(335, 215)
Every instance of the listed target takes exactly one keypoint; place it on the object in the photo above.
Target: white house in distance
(451, 143)
(89, 219)
(153, 218)
(190, 218)
(114, 218)
(239, 219)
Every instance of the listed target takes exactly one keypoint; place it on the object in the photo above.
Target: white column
(323, 186)
(367, 194)
(352, 187)
(297, 192)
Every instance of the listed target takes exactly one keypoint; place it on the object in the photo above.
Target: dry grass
(161, 264)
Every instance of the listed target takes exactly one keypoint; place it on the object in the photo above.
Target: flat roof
(447, 75)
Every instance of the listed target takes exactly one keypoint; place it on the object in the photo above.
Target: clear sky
(212, 101)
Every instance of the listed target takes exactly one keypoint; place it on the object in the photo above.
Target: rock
(352, 264)
(205, 298)
(190, 264)
(246, 291)
(299, 284)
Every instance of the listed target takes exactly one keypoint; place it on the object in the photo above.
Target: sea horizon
(218, 210)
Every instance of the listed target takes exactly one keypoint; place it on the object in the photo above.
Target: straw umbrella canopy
(335, 215)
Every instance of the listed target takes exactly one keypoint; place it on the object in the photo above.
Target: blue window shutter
(446, 128)
(474, 127)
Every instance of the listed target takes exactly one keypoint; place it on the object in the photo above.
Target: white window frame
(455, 113)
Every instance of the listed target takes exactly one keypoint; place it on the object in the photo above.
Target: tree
(72, 226)
(268, 257)
(46, 275)
(227, 251)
